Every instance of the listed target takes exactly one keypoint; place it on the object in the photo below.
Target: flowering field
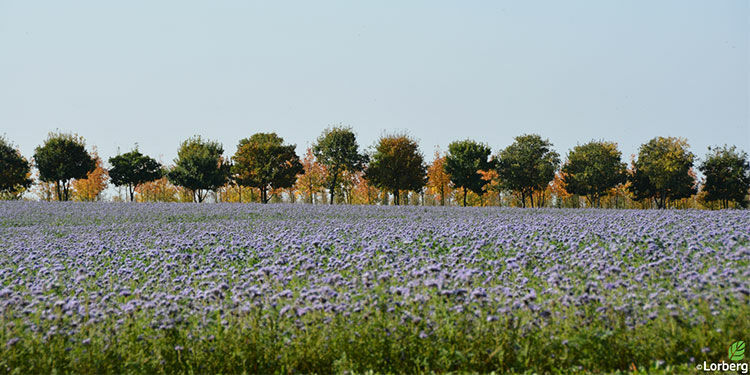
(230, 288)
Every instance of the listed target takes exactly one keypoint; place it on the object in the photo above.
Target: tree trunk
(531, 199)
(59, 192)
(660, 200)
(465, 192)
(396, 197)
(66, 190)
(131, 190)
(523, 199)
(333, 188)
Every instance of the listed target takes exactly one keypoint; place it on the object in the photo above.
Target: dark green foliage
(263, 161)
(663, 171)
(640, 186)
(727, 172)
(593, 169)
(338, 151)
(14, 171)
(527, 165)
(132, 169)
(61, 158)
(199, 167)
(397, 165)
(464, 161)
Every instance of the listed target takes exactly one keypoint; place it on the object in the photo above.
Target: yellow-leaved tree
(557, 189)
(90, 189)
(490, 191)
(160, 190)
(364, 192)
(438, 180)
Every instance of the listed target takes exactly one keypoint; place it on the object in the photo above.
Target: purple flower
(12, 342)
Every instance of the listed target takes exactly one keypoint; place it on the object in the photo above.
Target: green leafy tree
(132, 169)
(527, 165)
(663, 171)
(337, 150)
(14, 171)
(62, 158)
(263, 161)
(727, 172)
(199, 167)
(397, 165)
(464, 161)
(593, 169)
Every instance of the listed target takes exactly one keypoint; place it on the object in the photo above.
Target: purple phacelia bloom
(84, 267)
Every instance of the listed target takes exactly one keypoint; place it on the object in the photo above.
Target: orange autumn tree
(491, 191)
(89, 189)
(160, 190)
(438, 180)
(618, 196)
(363, 192)
(543, 196)
(557, 190)
(310, 183)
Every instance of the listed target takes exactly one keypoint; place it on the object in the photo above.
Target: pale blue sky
(157, 72)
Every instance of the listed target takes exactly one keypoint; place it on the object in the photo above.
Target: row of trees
(526, 173)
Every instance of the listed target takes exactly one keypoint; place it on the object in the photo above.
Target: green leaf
(737, 351)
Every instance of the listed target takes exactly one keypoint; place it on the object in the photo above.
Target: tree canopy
(263, 161)
(199, 167)
(15, 171)
(593, 169)
(727, 172)
(397, 165)
(663, 171)
(464, 161)
(527, 165)
(526, 172)
(132, 169)
(61, 158)
(337, 150)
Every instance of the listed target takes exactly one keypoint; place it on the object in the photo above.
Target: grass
(258, 343)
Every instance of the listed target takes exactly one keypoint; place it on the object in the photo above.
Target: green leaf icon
(737, 351)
